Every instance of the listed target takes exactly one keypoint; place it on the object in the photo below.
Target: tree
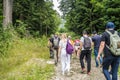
(7, 12)
(38, 15)
(90, 14)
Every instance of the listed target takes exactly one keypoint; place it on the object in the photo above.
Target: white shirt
(82, 40)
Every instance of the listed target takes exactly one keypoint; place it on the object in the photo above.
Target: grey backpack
(56, 42)
(87, 43)
(114, 43)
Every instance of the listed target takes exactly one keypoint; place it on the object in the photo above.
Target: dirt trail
(75, 73)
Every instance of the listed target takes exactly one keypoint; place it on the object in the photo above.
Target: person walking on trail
(96, 40)
(85, 46)
(110, 58)
(50, 46)
(76, 46)
(55, 42)
(65, 58)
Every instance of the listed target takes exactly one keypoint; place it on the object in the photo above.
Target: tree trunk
(7, 12)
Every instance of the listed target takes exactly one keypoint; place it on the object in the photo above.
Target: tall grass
(26, 61)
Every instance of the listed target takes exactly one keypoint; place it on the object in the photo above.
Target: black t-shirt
(106, 38)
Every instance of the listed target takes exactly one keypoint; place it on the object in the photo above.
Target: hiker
(50, 46)
(76, 45)
(55, 41)
(85, 47)
(96, 40)
(65, 58)
(109, 59)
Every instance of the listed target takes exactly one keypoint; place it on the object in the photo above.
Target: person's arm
(79, 50)
(59, 50)
(92, 43)
(102, 45)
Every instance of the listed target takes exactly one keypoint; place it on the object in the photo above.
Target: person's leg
(51, 53)
(63, 63)
(100, 57)
(101, 60)
(114, 68)
(88, 57)
(81, 59)
(55, 56)
(106, 63)
(96, 53)
(68, 62)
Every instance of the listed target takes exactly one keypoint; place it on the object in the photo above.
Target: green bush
(27, 61)
(21, 29)
(5, 39)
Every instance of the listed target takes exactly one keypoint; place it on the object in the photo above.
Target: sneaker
(83, 70)
(63, 73)
(88, 73)
(68, 73)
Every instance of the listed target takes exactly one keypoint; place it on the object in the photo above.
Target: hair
(94, 32)
(85, 32)
(63, 36)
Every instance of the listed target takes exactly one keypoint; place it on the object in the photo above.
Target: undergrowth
(26, 60)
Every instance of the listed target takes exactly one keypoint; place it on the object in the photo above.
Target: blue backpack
(69, 48)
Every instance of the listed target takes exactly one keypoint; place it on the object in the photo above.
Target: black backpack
(87, 43)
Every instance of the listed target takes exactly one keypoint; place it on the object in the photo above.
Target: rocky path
(75, 73)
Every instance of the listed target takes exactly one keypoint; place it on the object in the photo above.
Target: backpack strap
(111, 33)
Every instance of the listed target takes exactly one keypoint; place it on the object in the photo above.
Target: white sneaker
(63, 73)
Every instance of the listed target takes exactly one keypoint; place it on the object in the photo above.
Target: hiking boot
(55, 63)
(101, 65)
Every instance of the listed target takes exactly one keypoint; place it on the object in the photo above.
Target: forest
(26, 25)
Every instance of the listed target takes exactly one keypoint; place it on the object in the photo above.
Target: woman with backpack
(65, 58)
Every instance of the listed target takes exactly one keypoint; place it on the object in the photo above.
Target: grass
(26, 61)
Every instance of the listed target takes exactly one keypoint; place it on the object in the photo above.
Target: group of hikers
(108, 43)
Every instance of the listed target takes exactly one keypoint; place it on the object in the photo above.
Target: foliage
(26, 61)
(1, 7)
(62, 30)
(90, 14)
(5, 39)
(21, 29)
(39, 16)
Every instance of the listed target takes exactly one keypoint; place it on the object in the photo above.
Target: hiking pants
(114, 63)
(96, 54)
(87, 54)
(56, 55)
(51, 53)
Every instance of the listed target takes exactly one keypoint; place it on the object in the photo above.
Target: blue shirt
(96, 39)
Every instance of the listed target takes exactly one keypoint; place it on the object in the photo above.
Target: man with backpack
(55, 42)
(85, 46)
(96, 40)
(110, 45)
(50, 46)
